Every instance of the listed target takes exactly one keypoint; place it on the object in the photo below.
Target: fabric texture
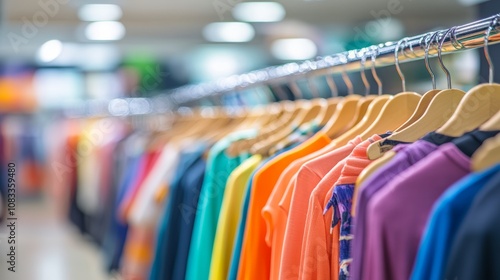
(406, 156)
(229, 217)
(476, 248)
(219, 167)
(446, 218)
(172, 220)
(394, 239)
(255, 259)
(295, 202)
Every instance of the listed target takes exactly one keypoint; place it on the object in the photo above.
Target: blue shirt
(445, 220)
(189, 172)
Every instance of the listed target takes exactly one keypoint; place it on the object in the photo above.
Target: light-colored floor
(48, 248)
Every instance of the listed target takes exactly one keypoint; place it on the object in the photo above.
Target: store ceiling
(171, 27)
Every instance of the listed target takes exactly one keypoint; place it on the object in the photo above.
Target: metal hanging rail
(463, 37)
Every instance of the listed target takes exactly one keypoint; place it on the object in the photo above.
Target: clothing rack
(458, 38)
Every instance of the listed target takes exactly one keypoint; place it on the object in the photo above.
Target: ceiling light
(294, 49)
(105, 31)
(49, 51)
(259, 12)
(228, 32)
(100, 12)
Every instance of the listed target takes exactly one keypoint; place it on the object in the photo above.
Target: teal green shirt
(219, 167)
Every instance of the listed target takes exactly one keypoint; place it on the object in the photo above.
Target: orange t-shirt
(255, 260)
(295, 203)
(275, 217)
(320, 250)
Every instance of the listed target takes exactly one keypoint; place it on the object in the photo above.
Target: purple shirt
(397, 214)
(406, 156)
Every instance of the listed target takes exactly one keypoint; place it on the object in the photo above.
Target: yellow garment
(229, 216)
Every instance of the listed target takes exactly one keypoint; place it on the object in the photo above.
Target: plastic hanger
(397, 110)
(479, 104)
(373, 109)
(440, 109)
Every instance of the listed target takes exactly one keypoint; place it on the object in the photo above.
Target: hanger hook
(294, 87)
(396, 57)
(331, 84)
(374, 52)
(363, 74)
(312, 87)
(440, 57)
(345, 77)
(486, 49)
(427, 39)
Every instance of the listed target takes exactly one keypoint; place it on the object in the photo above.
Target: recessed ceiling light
(105, 31)
(259, 12)
(229, 32)
(100, 12)
(294, 49)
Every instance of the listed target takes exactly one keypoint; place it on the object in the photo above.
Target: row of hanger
(408, 115)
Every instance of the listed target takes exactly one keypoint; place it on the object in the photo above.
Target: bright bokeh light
(294, 49)
(229, 32)
(100, 12)
(259, 12)
(105, 31)
(49, 51)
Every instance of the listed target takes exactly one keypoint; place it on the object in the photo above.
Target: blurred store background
(57, 53)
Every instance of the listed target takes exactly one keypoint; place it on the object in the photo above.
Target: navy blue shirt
(176, 225)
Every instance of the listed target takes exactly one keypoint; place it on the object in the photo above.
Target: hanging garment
(229, 217)
(256, 255)
(475, 250)
(406, 156)
(396, 240)
(219, 167)
(171, 253)
(445, 220)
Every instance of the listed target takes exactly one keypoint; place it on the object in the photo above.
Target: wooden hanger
(423, 104)
(362, 108)
(487, 155)
(397, 110)
(439, 110)
(368, 99)
(373, 110)
(479, 104)
(374, 166)
(322, 119)
(288, 112)
(429, 95)
(370, 116)
(309, 112)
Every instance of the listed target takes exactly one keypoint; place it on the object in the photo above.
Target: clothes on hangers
(189, 210)
(224, 198)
